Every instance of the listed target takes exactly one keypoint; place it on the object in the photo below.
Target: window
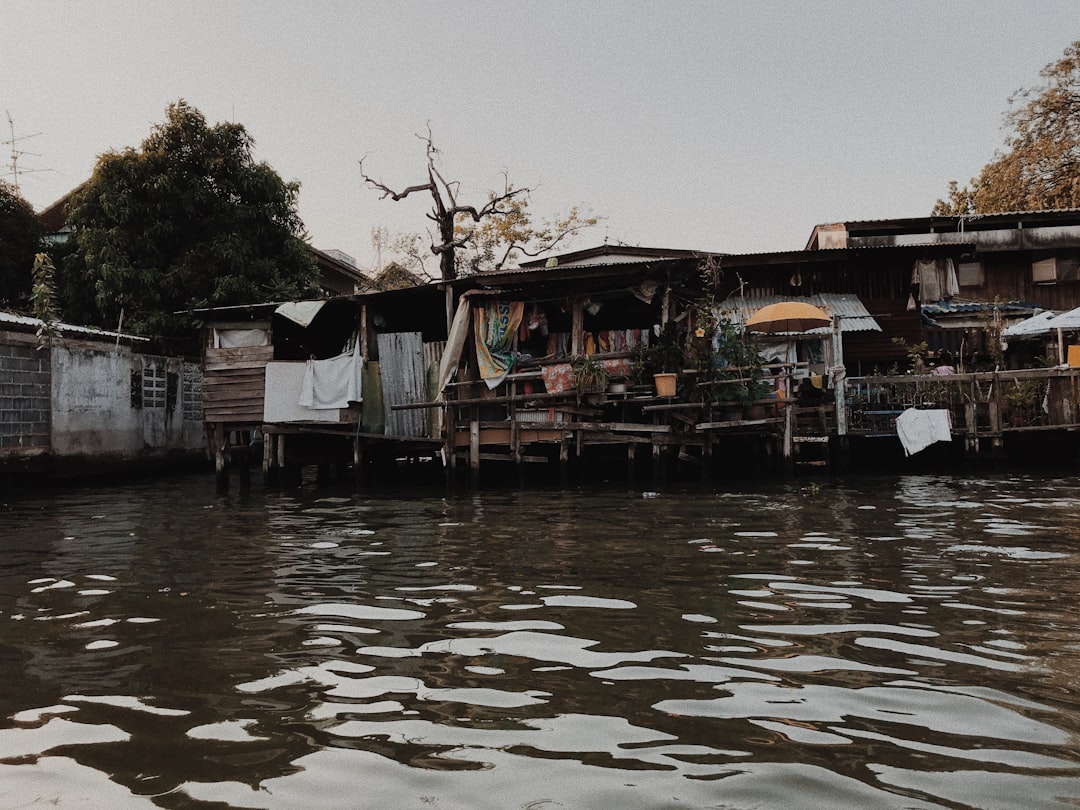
(154, 387)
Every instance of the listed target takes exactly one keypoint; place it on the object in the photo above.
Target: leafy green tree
(187, 220)
(1040, 168)
(20, 241)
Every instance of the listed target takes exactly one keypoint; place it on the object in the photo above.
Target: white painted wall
(92, 410)
(282, 401)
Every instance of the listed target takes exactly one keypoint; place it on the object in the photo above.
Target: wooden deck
(520, 429)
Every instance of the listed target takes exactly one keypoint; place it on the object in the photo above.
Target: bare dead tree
(447, 211)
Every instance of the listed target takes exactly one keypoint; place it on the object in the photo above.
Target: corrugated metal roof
(67, 328)
(1032, 327)
(1052, 212)
(854, 316)
(825, 254)
(616, 254)
(1067, 320)
(567, 270)
(952, 307)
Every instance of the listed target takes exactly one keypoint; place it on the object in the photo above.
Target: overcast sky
(726, 126)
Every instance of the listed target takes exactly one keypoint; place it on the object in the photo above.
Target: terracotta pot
(665, 384)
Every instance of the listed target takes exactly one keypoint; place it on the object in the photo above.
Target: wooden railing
(983, 403)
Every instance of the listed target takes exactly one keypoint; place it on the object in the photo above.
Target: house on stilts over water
(559, 366)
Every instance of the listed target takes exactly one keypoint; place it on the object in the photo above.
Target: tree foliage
(507, 235)
(396, 276)
(1040, 168)
(472, 238)
(187, 220)
(20, 241)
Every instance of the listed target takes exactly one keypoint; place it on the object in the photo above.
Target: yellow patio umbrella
(788, 316)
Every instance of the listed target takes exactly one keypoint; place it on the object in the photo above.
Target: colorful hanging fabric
(496, 324)
(558, 377)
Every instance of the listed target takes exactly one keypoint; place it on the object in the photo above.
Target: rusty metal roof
(854, 316)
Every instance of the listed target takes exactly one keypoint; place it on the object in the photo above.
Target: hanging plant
(590, 375)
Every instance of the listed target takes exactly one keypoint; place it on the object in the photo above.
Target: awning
(1034, 326)
(301, 312)
(1066, 320)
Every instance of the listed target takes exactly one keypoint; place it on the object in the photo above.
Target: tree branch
(389, 192)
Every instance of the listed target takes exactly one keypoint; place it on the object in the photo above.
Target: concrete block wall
(83, 405)
(25, 396)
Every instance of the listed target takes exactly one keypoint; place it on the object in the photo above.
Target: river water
(887, 642)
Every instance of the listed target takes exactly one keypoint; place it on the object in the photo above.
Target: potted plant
(734, 367)
(590, 376)
(1023, 401)
(662, 359)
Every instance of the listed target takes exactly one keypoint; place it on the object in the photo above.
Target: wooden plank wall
(433, 353)
(234, 383)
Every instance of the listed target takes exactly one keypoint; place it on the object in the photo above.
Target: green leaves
(20, 240)
(188, 220)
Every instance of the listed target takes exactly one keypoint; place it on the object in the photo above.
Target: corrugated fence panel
(404, 381)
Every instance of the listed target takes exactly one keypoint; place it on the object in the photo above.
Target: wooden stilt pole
(474, 446)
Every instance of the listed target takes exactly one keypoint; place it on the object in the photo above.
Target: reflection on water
(898, 642)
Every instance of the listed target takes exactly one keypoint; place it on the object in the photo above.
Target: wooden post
(268, 454)
(840, 386)
(789, 436)
(994, 408)
(631, 451)
(474, 445)
(449, 307)
(217, 437)
(515, 430)
(363, 332)
(450, 443)
(281, 454)
(971, 437)
(358, 460)
(577, 329)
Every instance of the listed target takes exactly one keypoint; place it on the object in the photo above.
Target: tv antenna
(17, 153)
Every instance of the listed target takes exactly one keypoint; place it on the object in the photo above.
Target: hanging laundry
(332, 383)
(936, 279)
(495, 328)
(919, 429)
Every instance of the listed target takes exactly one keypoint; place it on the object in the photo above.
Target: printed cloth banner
(619, 368)
(496, 325)
(558, 378)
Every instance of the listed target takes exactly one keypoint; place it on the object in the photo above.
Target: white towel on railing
(332, 383)
(920, 429)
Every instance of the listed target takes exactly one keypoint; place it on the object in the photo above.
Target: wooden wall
(234, 382)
